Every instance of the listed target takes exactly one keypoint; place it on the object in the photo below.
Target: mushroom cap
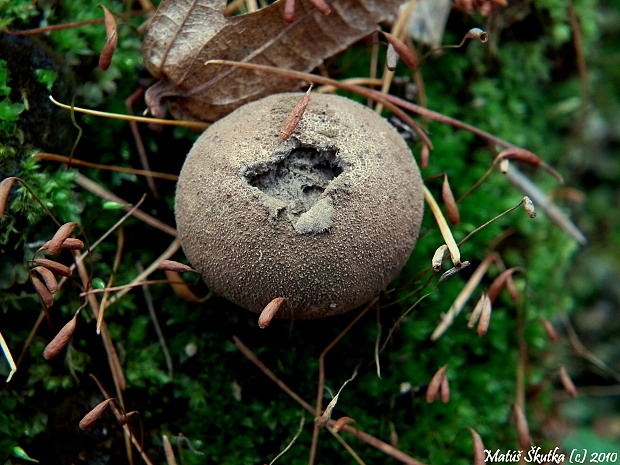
(325, 219)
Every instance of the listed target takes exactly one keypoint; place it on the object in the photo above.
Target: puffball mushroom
(325, 219)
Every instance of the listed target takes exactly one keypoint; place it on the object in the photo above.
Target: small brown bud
(425, 152)
(401, 49)
(71, 243)
(54, 267)
(94, 414)
(452, 209)
(289, 11)
(478, 447)
(445, 390)
(48, 278)
(523, 431)
(44, 294)
(500, 282)
(105, 59)
(295, 117)
(270, 311)
(5, 189)
(568, 384)
(434, 386)
(55, 244)
(61, 339)
(485, 316)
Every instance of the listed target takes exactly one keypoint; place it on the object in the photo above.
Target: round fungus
(325, 219)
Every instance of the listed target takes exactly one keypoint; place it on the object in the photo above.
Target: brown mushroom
(325, 219)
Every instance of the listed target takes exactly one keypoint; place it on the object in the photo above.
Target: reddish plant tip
(478, 447)
(444, 390)
(401, 49)
(289, 11)
(105, 59)
(340, 422)
(5, 189)
(61, 340)
(452, 209)
(434, 387)
(322, 6)
(171, 265)
(270, 311)
(523, 431)
(567, 383)
(55, 244)
(295, 117)
(92, 416)
(549, 329)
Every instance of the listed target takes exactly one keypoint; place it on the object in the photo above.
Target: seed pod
(5, 189)
(54, 267)
(434, 386)
(478, 447)
(479, 34)
(438, 257)
(424, 156)
(402, 50)
(523, 432)
(48, 278)
(528, 206)
(295, 117)
(170, 265)
(105, 59)
(94, 414)
(72, 243)
(270, 311)
(45, 295)
(549, 329)
(61, 339)
(340, 422)
(54, 245)
(568, 384)
(445, 390)
(452, 210)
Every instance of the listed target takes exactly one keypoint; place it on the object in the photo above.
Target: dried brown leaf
(5, 189)
(54, 267)
(478, 447)
(105, 59)
(48, 278)
(402, 50)
(180, 288)
(270, 311)
(61, 339)
(46, 296)
(184, 34)
(452, 209)
(171, 265)
(92, 416)
(434, 387)
(55, 244)
(567, 383)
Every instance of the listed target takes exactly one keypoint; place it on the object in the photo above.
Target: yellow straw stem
(455, 254)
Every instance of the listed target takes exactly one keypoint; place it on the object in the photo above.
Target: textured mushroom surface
(326, 219)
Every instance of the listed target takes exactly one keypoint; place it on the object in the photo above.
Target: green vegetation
(523, 86)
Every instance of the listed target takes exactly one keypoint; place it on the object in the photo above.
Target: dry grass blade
(92, 416)
(523, 431)
(485, 315)
(401, 50)
(171, 265)
(55, 244)
(290, 444)
(452, 209)
(322, 421)
(61, 339)
(295, 117)
(455, 254)
(478, 447)
(549, 329)
(500, 282)
(54, 267)
(5, 189)
(475, 314)
(340, 422)
(270, 311)
(42, 291)
(438, 257)
(48, 278)
(567, 383)
(434, 386)
(170, 459)
(9, 357)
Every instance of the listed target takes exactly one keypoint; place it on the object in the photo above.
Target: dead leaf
(184, 34)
